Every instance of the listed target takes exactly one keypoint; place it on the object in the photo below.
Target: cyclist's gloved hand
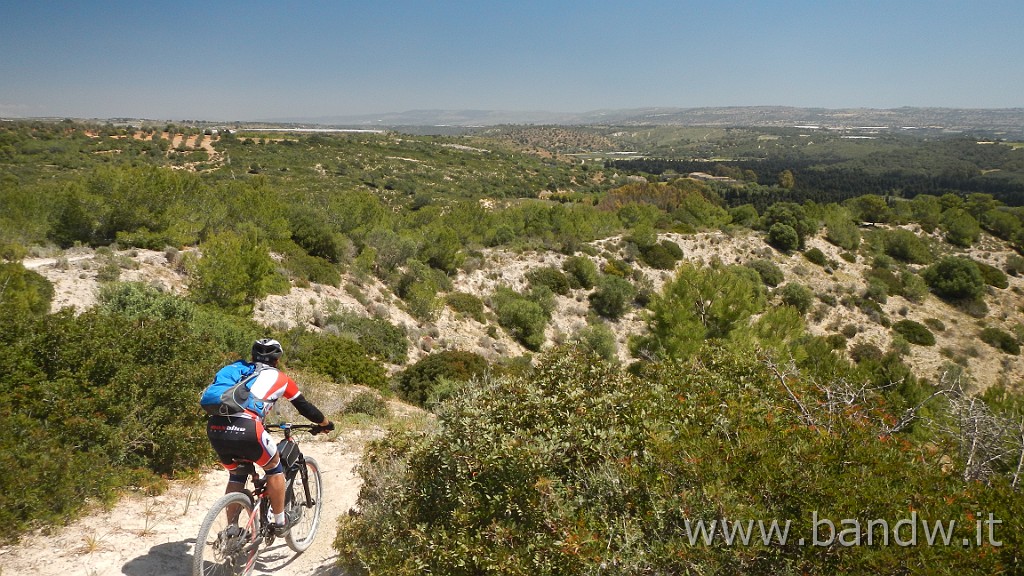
(323, 429)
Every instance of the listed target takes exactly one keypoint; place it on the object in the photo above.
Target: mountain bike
(240, 522)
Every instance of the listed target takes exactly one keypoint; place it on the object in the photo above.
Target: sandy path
(153, 536)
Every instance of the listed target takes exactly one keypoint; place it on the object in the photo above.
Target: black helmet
(266, 350)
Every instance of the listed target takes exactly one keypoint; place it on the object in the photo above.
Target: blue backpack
(229, 392)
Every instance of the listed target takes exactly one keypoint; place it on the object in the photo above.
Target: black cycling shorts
(236, 438)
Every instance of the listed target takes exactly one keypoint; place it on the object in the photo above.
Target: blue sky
(235, 60)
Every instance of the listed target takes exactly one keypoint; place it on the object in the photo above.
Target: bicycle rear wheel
(224, 547)
(305, 516)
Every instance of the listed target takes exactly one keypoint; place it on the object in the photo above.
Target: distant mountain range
(1003, 120)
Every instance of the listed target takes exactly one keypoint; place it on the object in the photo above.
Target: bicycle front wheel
(228, 538)
(304, 514)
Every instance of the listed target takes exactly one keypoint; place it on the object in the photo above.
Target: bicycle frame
(217, 546)
(258, 522)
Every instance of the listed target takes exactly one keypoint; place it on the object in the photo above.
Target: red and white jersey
(270, 386)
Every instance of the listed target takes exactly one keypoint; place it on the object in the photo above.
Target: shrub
(956, 278)
(935, 324)
(992, 276)
(23, 291)
(1000, 339)
(341, 359)
(467, 304)
(913, 287)
(582, 272)
(136, 300)
(798, 296)
(865, 352)
(99, 397)
(906, 246)
(550, 277)
(307, 267)
(701, 303)
(816, 256)
(380, 338)
(836, 341)
(234, 271)
(524, 319)
(770, 274)
(369, 403)
(783, 237)
(419, 286)
(578, 467)
(612, 297)
(843, 233)
(598, 339)
(1014, 265)
(419, 383)
(661, 256)
(889, 282)
(961, 228)
(616, 267)
(914, 332)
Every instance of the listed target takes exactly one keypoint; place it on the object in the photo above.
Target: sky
(252, 60)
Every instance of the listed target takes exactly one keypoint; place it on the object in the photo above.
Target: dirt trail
(153, 536)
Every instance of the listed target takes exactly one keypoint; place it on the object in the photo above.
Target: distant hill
(1006, 121)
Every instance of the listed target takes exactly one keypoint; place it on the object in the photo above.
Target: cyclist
(241, 437)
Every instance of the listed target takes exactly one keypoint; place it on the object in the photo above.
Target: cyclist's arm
(309, 411)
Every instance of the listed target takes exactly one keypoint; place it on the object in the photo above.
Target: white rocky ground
(74, 277)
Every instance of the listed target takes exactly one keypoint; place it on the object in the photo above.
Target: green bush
(783, 237)
(914, 332)
(23, 291)
(661, 256)
(233, 273)
(369, 403)
(467, 304)
(598, 339)
(842, 232)
(550, 277)
(308, 267)
(419, 383)
(955, 278)
(701, 303)
(380, 338)
(582, 272)
(816, 256)
(341, 359)
(1000, 339)
(961, 228)
(770, 274)
(612, 297)
(524, 318)
(94, 402)
(419, 286)
(906, 246)
(1015, 265)
(992, 276)
(913, 287)
(798, 296)
(579, 468)
(137, 301)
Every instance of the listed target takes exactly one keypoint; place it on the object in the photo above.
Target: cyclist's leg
(271, 463)
(237, 442)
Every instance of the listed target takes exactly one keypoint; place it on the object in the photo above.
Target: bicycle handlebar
(290, 426)
(287, 427)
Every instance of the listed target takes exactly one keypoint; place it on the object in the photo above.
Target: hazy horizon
(257, 61)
